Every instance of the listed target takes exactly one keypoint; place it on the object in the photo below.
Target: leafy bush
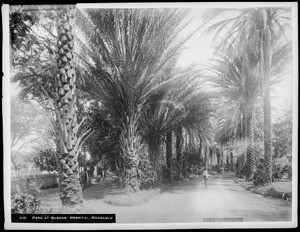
(165, 174)
(283, 137)
(214, 168)
(288, 170)
(193, 162)
(244, 170)
(277, 172)
(259, 177)
(284, 165)
(25, 203)
(47, 160)
(280, 167)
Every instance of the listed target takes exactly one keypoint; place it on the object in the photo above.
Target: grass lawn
(130, 199)
(279, 189)
(109, 192)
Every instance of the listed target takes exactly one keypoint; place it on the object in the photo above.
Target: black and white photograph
(150, 115)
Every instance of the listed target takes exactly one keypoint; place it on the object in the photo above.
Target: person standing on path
(205, 177)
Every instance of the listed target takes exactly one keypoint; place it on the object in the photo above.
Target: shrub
(280, 167)
(214, 168)
(46, 160)
(195, 169)
(287, 169)
(25, 203)
(259, 177)
(277, 172)
(273, 193)
(244, 170)
(284, 165)
(165, 174)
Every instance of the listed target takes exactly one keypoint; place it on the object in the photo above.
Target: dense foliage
(282, 138)
(136, 100)
(47, 160)
(20, 24)
(25, 203)
(281, 167)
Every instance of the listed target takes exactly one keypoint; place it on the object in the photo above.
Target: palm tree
(125, 53)
(47, 72)
(66, 126)
(237, 82)
(257, 29)
(181, 107)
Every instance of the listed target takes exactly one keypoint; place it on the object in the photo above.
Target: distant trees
(283, 135)
(258, 35)
(28, 127)
(117, 76)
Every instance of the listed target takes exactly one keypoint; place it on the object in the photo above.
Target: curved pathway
(192, 202)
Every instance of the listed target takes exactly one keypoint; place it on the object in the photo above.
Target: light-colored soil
(192, 202)
(189, 201)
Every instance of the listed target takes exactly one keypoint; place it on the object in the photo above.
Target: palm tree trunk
(131, 145)
(200, 155)
(266, 99)
(205, 157)
(218, 153)
(153, 149)
(169, 155)
(178, 150)
(231, 162)
(267, 138)
(250, 148)
(67, 126)
(240, 164)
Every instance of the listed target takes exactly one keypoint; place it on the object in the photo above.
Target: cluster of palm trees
(251, 58)
(125, 59)
(129, 57)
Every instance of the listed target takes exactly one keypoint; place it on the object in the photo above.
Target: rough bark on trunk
(66, 116)
(131, 144)
(250, 148)
(169, 155)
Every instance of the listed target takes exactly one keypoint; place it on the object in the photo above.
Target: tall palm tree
(257, 29)
(237, 79)
(124, 54)
(66, 125)
(237, 82)
(47, 72)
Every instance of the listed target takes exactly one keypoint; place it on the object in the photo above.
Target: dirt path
(191, 202)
